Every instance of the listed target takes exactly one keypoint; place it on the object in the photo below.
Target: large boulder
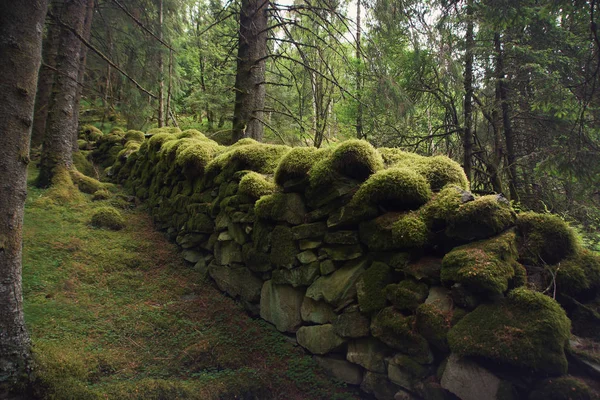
(317, 312)
(341, 369)
(319, 339)
(280, 305)
(237, 281)
(339, 288)
(369, 353)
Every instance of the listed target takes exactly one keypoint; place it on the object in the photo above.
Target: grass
(118, 315)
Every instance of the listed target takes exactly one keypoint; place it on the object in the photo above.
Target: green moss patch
(434, 325)
(526, 330)
(370, 288)
(482, 267)
(410, 232)
(485, 217)
(544, 238)
(579, 275)
(85, 183)
(441, 171)
(256, 185)
(194, 157)
(90, 133)
(444, 204)
(562, 388)
(394, 157)
(407, 295)
(297, 163)
(108, 217)
(135, 136)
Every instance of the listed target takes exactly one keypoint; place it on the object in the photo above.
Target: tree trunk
(57, 150)
(359, 108)
(506, 122)
(21, 25)
(161, 78)
(250, 74)
(87, 30)
(45, 82)
(468, 84)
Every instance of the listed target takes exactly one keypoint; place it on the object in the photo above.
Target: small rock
(441, 298)
(327, 267)
(369, 353)
(306, 257)
(319, 339)
(341, 369)
(341, 252)
(191, 256)
(469, 381)
(341, 237)
(351, 324)
(317, 312)
(379, 386)
(305, 231)
(307, 244)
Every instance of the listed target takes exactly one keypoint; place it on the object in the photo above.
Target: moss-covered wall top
(380, 261)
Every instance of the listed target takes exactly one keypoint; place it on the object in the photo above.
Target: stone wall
(380, 262)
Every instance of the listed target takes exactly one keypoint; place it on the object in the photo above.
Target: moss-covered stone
(85, 183)
(194, 157)
(90, 133)
(398, 332)
(482, 267)
(544, 238)
(407, 294)
(437, 212)
(579, 275)
(284, 207)
(395, 188)
(485, 217)
(256, 185)
(136, 136)
(355, 159)
(108, 217)
(410, 232)
(441, 171)
(297, 162)
(102, 194)
(200, 223)
(433, 324)
(370, 288)
(84, 164)
(284, 248)
(562, 388)
(395, 157)
(527, 330)
(156, 141)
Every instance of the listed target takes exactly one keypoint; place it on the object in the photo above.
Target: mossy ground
(118, 315)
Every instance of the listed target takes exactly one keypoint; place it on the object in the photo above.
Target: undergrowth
(118, 315)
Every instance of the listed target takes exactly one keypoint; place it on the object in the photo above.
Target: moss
(170, 130)
(85, 183)
(194, 157)
(284, 248)
(579, 275)
(355, 159)
(256, 185)
(410, 232)
(200, 223)
(398, 332)
(297, 163)
(394, 157)
(482, 267)
(485, 217)
(562, 388)
(90, 133)
(396, 188)
(108, 217)
(440, 209)
(192, 133)
(281, 207)
(407, 295)
(434, 325)
(83, 163)
(544, 238)
(135, 136)
(102, 194)
(62, 188)
(157, 140)
(441, 171)
(370, 287)
(527, 330)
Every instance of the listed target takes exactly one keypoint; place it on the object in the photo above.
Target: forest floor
(119, 315)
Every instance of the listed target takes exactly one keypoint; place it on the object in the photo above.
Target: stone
(261, 236)
(441, 298)
(406, 372)
(306, 257)
(224, 237)
(227, 253)
(191, 256)
(237, 281)
(379, 386)
(469, 381)
(377, 234)
(307, 244)
(237, 233)
(404, 395)
(351, 323)
(341, 237)
(256, 260)
(280, 305)
(209, 245)
(339, 288)
(426, 268)
(341, 252)
(317, 312)
(369, 353)
(319, 339)
(305, 231)
(191, 240)
(284, 248)
(341, 369)
(327, 267)
(304, 275)
(221, 221)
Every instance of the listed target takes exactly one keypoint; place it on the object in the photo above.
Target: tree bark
(21, 26)
(87, 30)
(57, 150)
(250, 74)
(45, 82)
(468, 85)
(161, 77)
(359, 109)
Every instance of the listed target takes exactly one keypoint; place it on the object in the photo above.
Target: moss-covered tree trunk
(250, 75)
(57, 150)
(44, 88)
(21, 26)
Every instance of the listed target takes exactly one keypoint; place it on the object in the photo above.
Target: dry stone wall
(380, 262)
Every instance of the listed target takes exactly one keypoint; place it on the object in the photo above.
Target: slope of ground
(118, 315)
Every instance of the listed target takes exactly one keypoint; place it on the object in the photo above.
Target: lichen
(485, 217)
(544, 238)
(410, 232)
(527, 330)
(370, 287)
(482, 267)
(395, 188)
(108, 217)
(256, 185)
